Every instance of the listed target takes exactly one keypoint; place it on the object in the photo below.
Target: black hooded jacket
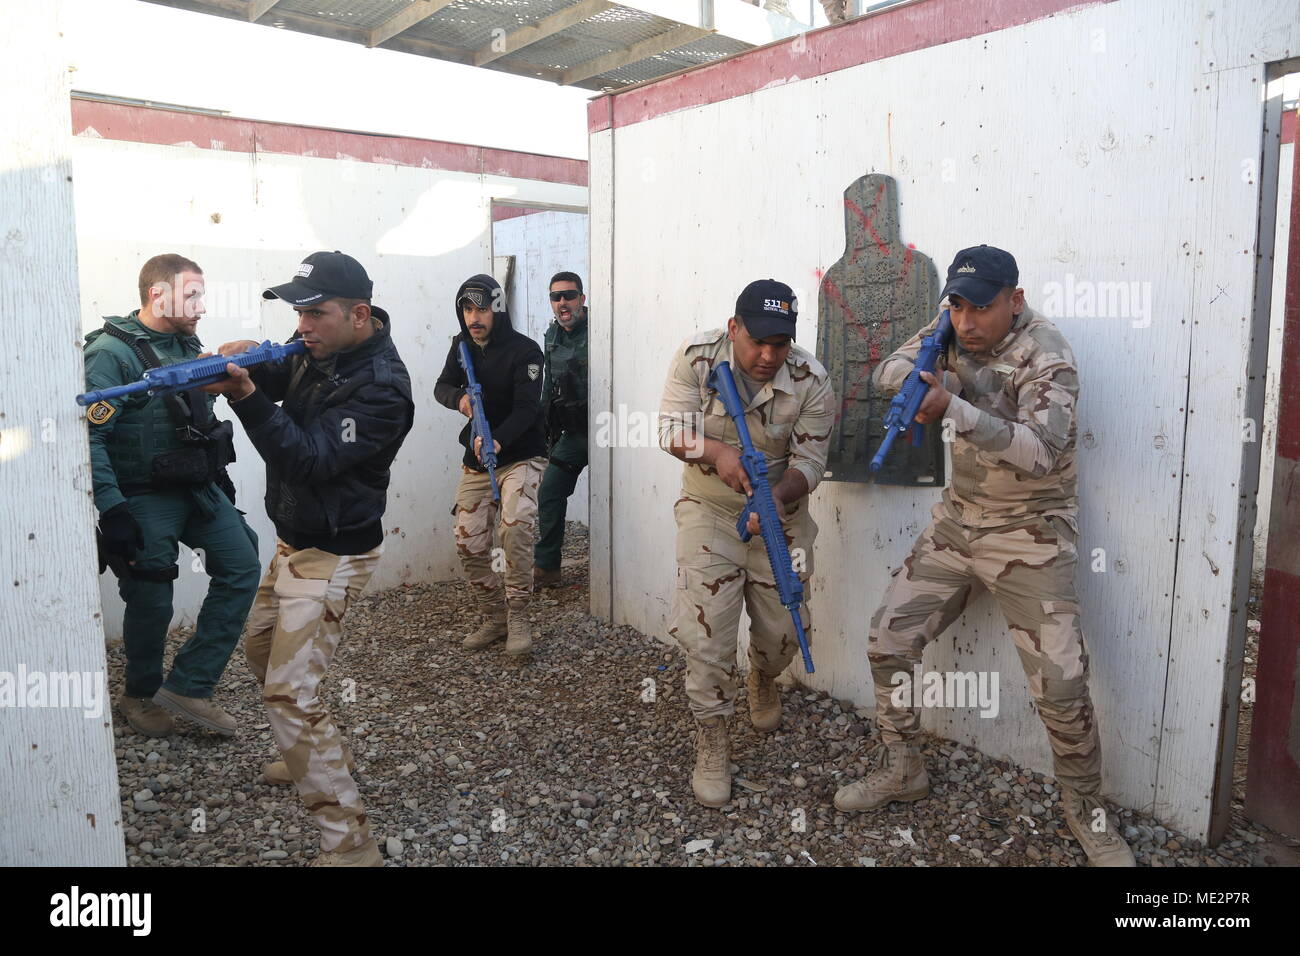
(329, 447)
(509, 368)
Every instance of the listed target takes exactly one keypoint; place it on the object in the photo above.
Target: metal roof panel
(470, 23)
(465, 27)
(704, 50)
(615, 29)
(364, 14)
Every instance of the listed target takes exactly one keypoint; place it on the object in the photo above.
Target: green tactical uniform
(126, 436)
(564, 399)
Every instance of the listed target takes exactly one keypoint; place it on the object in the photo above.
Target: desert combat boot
(546, 578)
(365, 855)
(520, 639)
(764, 701)
(145, 717)
(900, 775)
(1091, 825)
(712, 777)
(492, 630)
(198, 710)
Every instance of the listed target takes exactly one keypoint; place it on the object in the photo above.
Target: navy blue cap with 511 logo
(768, 307)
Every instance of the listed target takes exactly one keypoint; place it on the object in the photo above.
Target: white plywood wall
(248, 221)
(58, 780)
(544, 243)
(601, 341)
(1268, 431)
(1102, 145)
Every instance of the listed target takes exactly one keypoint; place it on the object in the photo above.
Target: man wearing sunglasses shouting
(564, 401)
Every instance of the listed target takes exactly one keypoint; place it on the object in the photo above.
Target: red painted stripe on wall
(146, 124)
(889, 33)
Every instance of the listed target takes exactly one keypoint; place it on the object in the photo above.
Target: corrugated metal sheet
(470, 23)
(615, 29)
(365, 14)
(703, 50)
(465, 27)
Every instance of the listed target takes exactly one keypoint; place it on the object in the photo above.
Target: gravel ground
(471, 758)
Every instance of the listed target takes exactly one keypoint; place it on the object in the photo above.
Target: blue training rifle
(479, 427)
(788, 585)
(903, 409)
(183, 376)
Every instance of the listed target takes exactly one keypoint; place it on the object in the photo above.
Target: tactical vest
(566, 399)
(145, 428)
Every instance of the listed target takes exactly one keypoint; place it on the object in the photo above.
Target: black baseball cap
(324, 275)
(768, 308)
(979, 273)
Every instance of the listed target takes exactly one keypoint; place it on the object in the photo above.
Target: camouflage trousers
(292, 633)
(716, 574)
(515, 519)
(1028, 566)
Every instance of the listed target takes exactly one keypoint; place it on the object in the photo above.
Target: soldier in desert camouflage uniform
(790, 411)
(345, 410)
(1008, 524)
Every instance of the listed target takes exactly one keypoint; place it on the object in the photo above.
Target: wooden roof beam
(259, 8)
(516, 40)
(677, 36)
(417, 12)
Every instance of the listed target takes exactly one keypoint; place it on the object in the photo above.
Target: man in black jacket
(508, 366)
(328, 448)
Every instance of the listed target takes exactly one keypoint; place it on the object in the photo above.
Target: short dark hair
(567, 277)
(163, 269)
(347, 304)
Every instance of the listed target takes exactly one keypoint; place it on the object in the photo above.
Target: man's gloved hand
(122, 533)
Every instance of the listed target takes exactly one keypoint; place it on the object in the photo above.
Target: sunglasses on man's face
(568, 295)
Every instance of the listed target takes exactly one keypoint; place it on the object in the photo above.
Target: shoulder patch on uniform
(534, 370)
(99, 413)
(706, 338)
(798, 357)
